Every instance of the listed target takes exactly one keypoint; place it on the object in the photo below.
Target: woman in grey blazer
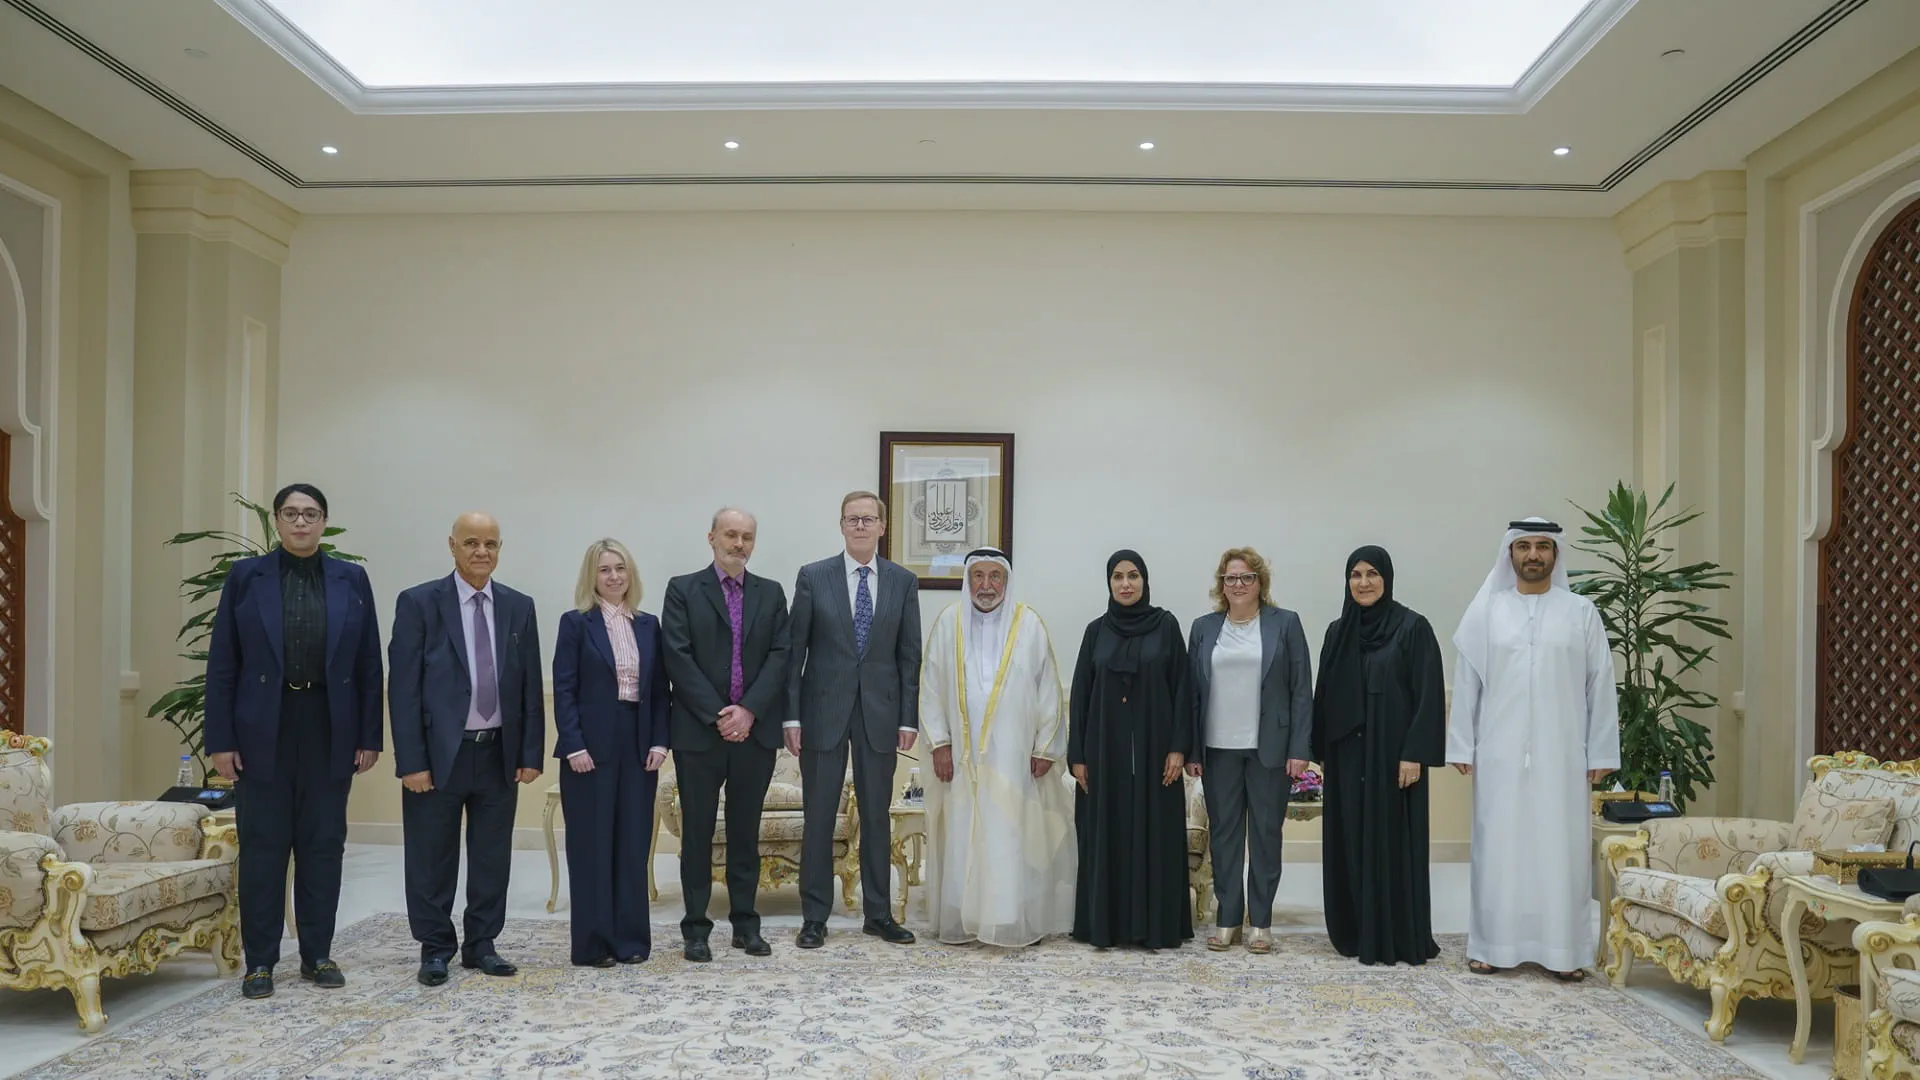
(1253, 704)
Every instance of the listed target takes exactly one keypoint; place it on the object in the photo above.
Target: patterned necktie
(862, 612)
(486, 692)
(736, 615)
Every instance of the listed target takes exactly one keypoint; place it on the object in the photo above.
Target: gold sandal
(1222, 938)
(1260, 940)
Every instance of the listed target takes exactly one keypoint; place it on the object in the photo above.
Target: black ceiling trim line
(154, 90)
(1761, 68)
(1767, 64)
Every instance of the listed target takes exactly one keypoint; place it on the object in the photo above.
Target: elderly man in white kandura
(1001, 856)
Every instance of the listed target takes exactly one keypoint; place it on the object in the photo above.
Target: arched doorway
(1869, 609)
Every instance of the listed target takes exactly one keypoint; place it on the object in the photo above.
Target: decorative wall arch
(30, 471)
(1866, 504)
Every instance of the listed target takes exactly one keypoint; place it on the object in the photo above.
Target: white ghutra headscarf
(1473, 639)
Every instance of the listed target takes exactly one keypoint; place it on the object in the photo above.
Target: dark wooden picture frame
(947, 493)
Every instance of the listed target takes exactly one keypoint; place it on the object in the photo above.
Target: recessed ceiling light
(1562, 151)
(197, 54)
(1146, 146)
(329, 149)
(731, 145)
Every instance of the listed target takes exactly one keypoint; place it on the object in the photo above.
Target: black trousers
(822, 774)
(744, 769)
(297, 810)
(609, 830)
(478, 788)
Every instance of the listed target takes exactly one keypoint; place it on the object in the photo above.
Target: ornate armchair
(1700, 897)
(105, 889)
(1890, 994)
(781, 822)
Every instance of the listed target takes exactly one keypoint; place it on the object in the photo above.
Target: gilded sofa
(1699, 897)
(781, 822)
(1890, 994)
(91, 890)
(1199, 853)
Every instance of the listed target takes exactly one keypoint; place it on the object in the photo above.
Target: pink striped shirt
(626, 650)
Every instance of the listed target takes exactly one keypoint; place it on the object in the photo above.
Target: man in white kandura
(1000, 851)
(1534, 723)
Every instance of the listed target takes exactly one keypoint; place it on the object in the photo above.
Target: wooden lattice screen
(13, 602)
(1869, 618)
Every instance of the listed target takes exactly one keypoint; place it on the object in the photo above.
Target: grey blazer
(826, 675)
(1286, 685)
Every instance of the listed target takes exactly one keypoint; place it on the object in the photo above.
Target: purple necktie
(737, 676)
(486, 692)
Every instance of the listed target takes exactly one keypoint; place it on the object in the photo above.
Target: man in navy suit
(853, 678)
(292, 713)
(469, 720)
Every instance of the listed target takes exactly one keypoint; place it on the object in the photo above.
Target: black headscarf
(1340, 700)
(1130, 622)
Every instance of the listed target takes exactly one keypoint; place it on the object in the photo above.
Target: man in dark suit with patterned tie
(293, 712)
(469, 720)
(726, 652)
(853, 662)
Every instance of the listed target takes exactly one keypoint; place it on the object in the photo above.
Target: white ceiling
(187, 83)
(446, 43)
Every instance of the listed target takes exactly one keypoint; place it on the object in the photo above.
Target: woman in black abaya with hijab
(1379, 722)
(1131, 731)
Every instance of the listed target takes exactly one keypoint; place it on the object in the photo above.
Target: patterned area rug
(861, 1008)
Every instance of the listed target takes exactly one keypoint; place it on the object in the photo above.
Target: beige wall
(85, 437)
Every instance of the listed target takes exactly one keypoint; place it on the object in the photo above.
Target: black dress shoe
(699, 952)
(636, 958)
(603, 962)
(888, 931)
(491, 964)
(324, 973)
(753, 943)
(812, 935)
(258, 983)
(432, 972)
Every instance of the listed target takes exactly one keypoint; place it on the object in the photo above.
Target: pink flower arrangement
(1308, 787)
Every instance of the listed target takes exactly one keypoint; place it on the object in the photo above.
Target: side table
(1830, 900)
(909, 847)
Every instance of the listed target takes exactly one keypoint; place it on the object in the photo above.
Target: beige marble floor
(35, 1027)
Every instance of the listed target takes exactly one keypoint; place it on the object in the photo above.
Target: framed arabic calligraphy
(947, 493)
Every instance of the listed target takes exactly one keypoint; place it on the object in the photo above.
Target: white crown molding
(1707, 209)
(293, 44)
(189, 202)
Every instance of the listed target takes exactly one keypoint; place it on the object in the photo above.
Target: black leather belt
(484, 735)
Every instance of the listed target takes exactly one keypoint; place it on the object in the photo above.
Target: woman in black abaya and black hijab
(1131, 732)
(1379, 721)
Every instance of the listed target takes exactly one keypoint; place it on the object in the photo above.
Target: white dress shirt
(466, 592)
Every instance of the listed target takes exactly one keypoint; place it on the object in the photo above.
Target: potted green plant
(185, 705)
(1658, 628)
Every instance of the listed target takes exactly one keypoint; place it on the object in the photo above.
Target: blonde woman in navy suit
(610, 712)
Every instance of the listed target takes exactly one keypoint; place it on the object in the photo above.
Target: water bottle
(1666, 786)
(184, 778)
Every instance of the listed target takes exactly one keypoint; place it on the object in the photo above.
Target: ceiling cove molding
(1805, 36)
(291, 42)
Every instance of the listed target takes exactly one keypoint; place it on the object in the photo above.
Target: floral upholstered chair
(1199, 852)
(782, 821)
(105, 889)
(1890, 994)
(1700, 896)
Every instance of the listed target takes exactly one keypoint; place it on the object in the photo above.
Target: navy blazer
(246, 673)
(586, 691)
(430, 688)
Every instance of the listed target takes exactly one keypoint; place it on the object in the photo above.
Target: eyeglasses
(293, 515)
(864, 521)
(1241, 579)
